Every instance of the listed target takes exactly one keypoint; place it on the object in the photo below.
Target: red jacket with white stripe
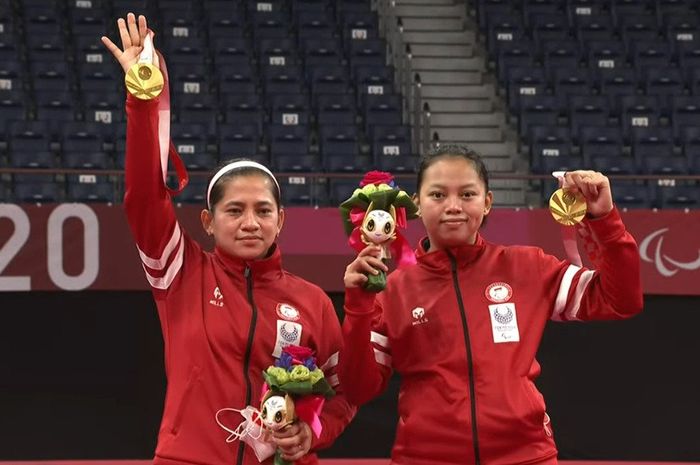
(221, 318)
(462, 328)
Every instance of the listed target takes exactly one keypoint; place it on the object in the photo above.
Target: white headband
(236, 165)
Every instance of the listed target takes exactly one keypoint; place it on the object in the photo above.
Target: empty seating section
(301, 85)
(611, 85)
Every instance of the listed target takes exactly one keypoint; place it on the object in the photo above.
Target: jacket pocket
(192, 380)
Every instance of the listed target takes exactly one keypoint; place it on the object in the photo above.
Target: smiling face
(378, 226)
(247, 219)
(453, 202)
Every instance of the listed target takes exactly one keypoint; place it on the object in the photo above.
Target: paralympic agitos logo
(665, 265)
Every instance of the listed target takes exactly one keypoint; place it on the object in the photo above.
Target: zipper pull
(246, 272)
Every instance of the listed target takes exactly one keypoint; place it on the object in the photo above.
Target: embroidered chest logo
(419, 317)
(504, 323)
(287, 312)
(218, 299)
(499, 292)
(288, 333)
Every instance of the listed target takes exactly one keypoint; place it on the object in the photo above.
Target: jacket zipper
(470, 364)
(249, 347)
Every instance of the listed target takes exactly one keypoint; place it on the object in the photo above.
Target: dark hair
(217, 190)
(453, 151)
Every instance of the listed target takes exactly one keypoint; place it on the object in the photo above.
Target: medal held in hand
(568, 208)
(144, 80)
(374, 214)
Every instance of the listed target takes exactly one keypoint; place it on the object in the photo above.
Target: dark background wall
(81, 376)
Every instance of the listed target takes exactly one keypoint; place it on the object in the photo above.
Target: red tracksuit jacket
(221, 317)
(462, 328)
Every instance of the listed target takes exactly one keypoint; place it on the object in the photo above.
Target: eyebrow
(442, 186)
(237, 203)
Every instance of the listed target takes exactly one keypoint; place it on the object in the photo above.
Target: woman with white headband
(225, 315)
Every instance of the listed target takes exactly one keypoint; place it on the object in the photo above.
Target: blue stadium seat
(238, 140)
(81, 189)
(290, 109)
(231, 51)
(321, 53)
(340, 150)
(639, 112)
(585, 110)
(36, 192)
(289, 148)
(631, 196)
(548, 142)
(523, 83)
(336, 109)
(374, 80)
(315, 25)
(243, 109)
(536, 110)
(687, 196)
(330, 80)
(391, 146)
(382, 110)
(236, 79)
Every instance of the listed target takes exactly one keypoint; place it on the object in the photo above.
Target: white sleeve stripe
(159, 263)
(564, 286)
(382, 358)
(331, 362)
(166, 280)
(581, 287)
(379, 339)
(333, 380)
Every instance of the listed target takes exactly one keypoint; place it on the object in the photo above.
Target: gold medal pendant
(567, 208)
(144, 81)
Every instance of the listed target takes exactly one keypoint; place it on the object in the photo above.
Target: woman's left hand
(595, 188)
(294, 441)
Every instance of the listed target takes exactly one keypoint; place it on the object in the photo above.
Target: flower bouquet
(295, 389)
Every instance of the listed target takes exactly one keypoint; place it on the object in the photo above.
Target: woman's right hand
(367, 261)
(132, 36)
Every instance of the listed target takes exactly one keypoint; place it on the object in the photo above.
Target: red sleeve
(613, 290)
(338, 412)
(147, 202)
(365, 361)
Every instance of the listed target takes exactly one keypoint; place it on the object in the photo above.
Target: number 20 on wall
(54, 242)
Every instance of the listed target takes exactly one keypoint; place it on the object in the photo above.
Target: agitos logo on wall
(665, 265)
(78, 246)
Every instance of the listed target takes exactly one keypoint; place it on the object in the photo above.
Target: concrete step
(439, 36)
(433, 24)
(470, 134)
(450, 77)
(449, 64)
(442, 50)
(460, 105)
(458, 91)
(429, 10)
(467, 119)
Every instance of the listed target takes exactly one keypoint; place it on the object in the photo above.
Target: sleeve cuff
(359, 302)
(609, 227)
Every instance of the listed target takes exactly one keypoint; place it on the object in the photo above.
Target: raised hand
(595, 188)
(367, 261)
(132, 36)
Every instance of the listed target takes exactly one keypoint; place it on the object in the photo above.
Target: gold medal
(144, 81)
(567, 208)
